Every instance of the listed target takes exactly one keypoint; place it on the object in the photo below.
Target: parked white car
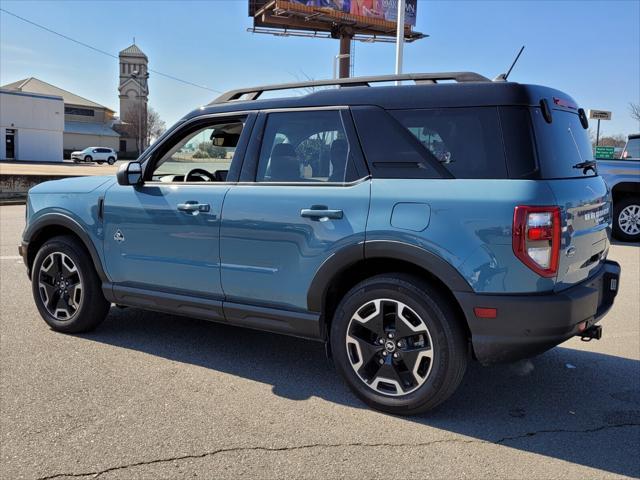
(95, 154)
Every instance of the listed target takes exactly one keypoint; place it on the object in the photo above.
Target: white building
(31, 126)
(86, 123)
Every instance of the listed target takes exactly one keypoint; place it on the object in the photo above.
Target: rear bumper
(527, 325)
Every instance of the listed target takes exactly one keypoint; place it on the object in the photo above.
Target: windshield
(562, 145)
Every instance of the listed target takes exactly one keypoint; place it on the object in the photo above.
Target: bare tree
(618, 140)
(155, 125)
(142, 130)
(132, 126)
(634, 109)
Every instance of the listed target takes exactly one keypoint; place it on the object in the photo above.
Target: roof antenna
(503, 76)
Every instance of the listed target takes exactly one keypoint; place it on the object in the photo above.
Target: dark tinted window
(390, 150)
(85, 112)
(517, 134)
(309, 146)
(465, 141)
(561, 144)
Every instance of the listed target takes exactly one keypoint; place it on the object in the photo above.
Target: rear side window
(561, 145)
(632, 149)
(517, 134)
(391, 151)
(465, 141)
(307, 146)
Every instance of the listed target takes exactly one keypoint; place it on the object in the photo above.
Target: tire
(111, 160)
(85, 309)
(626, 219)
(428, 379)
(88, 158)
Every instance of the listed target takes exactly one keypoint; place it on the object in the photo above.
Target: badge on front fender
(118, 236)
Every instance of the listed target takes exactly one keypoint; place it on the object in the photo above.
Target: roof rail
(253, 93)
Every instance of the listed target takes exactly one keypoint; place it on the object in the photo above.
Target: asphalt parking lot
(154, 396)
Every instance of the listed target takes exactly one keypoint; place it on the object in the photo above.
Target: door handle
(193, 207)
(318, 212)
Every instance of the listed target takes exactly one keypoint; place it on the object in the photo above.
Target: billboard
(366, 12)
(382, 9)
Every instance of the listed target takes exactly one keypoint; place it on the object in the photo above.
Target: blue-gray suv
(411, 228)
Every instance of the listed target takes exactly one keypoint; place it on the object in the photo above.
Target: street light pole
(400, 38)
(134, 74)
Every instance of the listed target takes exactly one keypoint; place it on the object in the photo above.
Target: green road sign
(606, 153)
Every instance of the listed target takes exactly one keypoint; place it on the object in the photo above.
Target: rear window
(465, 141)
(561, 145)
(632, 149)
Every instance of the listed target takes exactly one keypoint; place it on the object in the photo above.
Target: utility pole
(400, 37)
(142, 111)
(135, 74)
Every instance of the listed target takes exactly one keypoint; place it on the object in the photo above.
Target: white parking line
(10, 257)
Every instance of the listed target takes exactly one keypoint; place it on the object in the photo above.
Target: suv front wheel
(398, 344)
(66, 287)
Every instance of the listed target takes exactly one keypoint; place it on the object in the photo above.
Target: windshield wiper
(586, 166)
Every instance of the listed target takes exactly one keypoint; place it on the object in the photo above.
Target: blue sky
(590, 49)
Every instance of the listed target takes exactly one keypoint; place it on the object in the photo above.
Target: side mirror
(129, 173)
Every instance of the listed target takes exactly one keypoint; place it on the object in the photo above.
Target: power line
(95, 49)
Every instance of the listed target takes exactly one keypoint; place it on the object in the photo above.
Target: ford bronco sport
(411, 228)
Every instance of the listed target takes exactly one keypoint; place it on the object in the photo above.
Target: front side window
(203, 155)
(307, 146)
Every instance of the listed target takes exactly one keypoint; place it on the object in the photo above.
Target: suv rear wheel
(398, 344)
(626, 219)
(66, 287)
(111, 160)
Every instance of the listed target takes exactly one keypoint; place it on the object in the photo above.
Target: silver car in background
(95, 154)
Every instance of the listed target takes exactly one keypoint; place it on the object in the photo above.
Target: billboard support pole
(345, 54)
(336, 59)
(400, 37)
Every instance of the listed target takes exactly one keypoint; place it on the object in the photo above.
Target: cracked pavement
(154, 396)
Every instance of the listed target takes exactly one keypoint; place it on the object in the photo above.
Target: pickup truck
(623, 179)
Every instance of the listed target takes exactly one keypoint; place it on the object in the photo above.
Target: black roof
(437, 95)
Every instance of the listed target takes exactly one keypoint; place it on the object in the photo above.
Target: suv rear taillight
(536, 238)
